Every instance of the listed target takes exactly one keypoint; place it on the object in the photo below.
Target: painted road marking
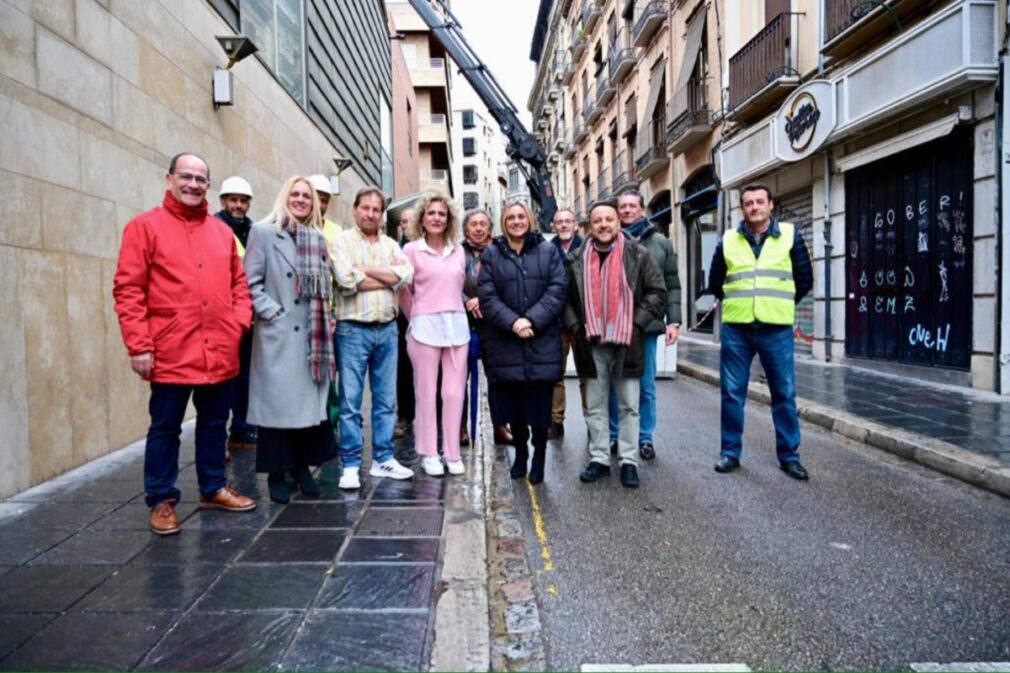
(671, 668)
(962, 667)
(541, 531)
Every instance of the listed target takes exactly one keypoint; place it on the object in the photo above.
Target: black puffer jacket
(529, 285)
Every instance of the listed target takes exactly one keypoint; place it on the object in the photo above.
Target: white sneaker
(349, 479)
(432, 466)
(391, 469)
(455, 467)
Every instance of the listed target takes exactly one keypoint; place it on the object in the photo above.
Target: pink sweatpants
(426, 360)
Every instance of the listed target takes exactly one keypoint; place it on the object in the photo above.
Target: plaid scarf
(608, 301)
(313, 280)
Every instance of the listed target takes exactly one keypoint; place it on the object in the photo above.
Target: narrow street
(875, 563)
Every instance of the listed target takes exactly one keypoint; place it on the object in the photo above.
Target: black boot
(278, 487)
(306, 484)
(537, 465)
(518, 470)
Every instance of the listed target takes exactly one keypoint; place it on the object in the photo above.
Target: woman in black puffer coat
(522, 290)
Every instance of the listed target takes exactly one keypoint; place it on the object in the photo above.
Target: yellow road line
(541, 531)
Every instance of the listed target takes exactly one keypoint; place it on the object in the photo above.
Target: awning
(695, 32)
(899, 143)
(656, 82)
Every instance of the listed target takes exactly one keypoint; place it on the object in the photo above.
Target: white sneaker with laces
(455, 467)
(391, 469)
(432, 466)
(349, 479)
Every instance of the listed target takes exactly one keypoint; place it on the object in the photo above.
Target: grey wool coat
(282, 393)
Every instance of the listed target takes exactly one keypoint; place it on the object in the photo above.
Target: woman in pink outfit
(438, 332)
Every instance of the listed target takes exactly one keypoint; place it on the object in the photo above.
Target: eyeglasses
(189, 177)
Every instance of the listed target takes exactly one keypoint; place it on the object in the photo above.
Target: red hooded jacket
(181, 292)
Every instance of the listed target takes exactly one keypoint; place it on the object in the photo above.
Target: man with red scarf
(614, 291)
(183, 304)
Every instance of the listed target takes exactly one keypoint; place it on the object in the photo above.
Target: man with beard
(567, 241)
(236, 199)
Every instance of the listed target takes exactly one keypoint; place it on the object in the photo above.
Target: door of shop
(909, 256)
(798, 208)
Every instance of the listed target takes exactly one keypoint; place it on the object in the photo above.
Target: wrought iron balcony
(650, 154)
(591, 14)
(650, 18)
(592, 112)
(603, 185)
(605, 89)
(580, 209)
(560, 135)
(623, 57)
(850, 25)
(761, 74)
(625, 173)
(579, 43)
(581, 133)
(689, 126)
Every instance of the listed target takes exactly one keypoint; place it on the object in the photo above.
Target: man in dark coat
(567, 241)
(615, 292)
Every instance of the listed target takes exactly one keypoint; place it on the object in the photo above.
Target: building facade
(96, 97)
(874, 125)
(478, 151)
(430, 75)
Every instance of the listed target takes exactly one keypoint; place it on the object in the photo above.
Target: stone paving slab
(343, 581)
(962, 433)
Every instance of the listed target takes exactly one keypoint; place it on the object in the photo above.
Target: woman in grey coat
(290, 278)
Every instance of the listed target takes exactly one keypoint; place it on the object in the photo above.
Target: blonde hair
(280, 210)
(452, 228)
(526, 209)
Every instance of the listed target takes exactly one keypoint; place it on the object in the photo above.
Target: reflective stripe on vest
(241, 248)
(762, 289)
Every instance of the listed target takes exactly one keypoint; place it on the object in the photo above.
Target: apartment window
(469, 174)
(468, 122)
(276, 27)
(469, 147)
(471, 200)
(513, 179)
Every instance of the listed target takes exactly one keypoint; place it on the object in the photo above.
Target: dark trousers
(240, 394)
(161, 457)
(405, 402)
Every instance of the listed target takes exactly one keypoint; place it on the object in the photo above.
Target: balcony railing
(690, 125)
(650, 18)
(625, 173)
(432, 119)
(603, 185)
(581, 133)
(650, 154)
(623, 57)
(580, 208)
(579, 43)
(868, 22)
(591, 13)
(558, 138)
(762, 63)
(605, 88)
(592, 112)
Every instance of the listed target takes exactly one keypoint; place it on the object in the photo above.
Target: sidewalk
(960, 432)
(345, 581)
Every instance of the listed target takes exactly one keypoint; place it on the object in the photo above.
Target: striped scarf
(608, 301)
(313, 281)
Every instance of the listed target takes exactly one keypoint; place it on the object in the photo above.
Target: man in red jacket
(183, 305)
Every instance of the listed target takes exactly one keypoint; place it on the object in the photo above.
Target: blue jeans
(371, 350)
(774, 345)
(646, 398)
(161, 455)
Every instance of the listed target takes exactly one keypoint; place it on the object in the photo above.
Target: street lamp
(236, 48)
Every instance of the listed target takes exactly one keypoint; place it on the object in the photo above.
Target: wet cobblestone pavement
(976, 421)
(345, 581)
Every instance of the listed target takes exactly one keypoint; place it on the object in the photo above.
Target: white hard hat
(321, 183)
(236, 185)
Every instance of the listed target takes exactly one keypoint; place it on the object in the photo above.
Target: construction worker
(324, 191)
(236, 198)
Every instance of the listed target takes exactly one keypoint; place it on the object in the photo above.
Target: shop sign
(805, 120)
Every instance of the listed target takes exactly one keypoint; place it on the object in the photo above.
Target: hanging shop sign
(805, 120)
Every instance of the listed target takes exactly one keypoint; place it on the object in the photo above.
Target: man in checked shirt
(370, 269)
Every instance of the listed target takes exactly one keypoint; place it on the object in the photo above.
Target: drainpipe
(827, 256)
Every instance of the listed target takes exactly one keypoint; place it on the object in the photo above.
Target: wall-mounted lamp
(236, 48)
(342, 163)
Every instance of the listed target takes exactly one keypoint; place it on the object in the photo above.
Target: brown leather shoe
(502, 435)
(228, 498)
(164, 520)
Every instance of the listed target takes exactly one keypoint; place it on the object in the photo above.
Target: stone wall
(95, 97)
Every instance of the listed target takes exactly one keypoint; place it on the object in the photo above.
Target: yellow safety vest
(241, 248)
(762, 289)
